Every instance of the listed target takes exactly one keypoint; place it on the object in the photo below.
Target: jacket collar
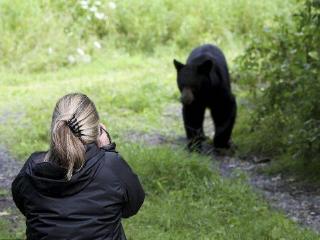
(49, 178)
(91, 150)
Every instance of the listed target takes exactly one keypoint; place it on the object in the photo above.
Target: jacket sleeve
(133, 191)
(17, 187)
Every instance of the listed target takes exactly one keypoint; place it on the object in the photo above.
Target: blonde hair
(67, 148)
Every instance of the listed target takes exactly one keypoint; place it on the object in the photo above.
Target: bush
(282, 70)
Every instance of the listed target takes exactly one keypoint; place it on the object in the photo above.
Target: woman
(81, 187)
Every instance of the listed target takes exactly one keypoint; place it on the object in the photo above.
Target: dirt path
(300, 203)
(9, 168)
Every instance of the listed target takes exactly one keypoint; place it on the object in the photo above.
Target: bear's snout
(186, 96)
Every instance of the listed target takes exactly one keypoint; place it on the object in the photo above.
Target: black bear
(204, 82)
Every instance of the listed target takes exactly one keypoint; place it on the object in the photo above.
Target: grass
(12, 227)
(42, 35)
(4, 230)
(125, 92)
(185, 198)
(4, 192)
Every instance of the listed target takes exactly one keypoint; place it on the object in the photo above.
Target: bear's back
(206, 52)
(213, 53)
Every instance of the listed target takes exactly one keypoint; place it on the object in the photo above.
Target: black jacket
(89, 206)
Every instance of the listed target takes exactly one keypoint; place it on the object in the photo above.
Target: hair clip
(74, 126)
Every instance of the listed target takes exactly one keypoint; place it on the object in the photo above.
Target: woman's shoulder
(33, 158)
(37, 156)
(21, 182)
(113, 159)
(110, 152)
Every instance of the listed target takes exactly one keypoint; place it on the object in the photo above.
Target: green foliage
(42, 35)
(282, 69)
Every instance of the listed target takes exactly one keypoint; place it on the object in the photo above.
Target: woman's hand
(103, 139)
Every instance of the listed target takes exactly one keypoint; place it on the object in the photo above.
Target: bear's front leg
(193, 116)
(224, 119)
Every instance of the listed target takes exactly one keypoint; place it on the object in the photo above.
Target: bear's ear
(205, 67)
(178, 65)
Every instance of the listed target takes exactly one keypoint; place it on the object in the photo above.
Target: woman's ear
(205, 67)
(104, 137)
(178, 65)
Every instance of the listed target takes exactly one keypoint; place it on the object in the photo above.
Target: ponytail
(68, 137)
(67, 149)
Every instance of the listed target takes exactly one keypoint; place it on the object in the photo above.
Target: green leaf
(314, 55)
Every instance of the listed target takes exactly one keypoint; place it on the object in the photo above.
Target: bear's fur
(204, 82)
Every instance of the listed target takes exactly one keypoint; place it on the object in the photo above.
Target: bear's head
(190, 78)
